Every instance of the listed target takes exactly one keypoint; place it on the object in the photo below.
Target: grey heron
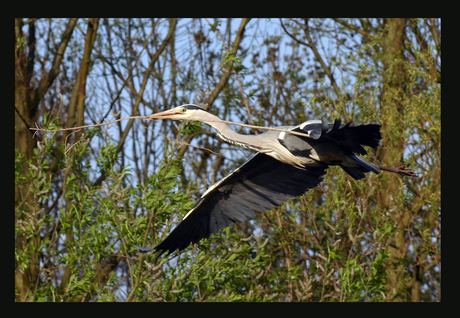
(285, 166)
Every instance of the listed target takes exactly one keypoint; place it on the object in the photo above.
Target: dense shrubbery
(83, 199)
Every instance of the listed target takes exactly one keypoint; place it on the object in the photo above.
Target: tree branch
(223, 80)
(48, 78)
(318, 57)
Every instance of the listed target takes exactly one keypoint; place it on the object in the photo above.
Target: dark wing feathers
(260, 184)
(350, 137)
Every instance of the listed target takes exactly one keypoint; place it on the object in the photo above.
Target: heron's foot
(400, 168)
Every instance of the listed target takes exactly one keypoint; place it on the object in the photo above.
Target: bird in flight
(285, 166)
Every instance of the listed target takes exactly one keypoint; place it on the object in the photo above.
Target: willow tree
(84, 198)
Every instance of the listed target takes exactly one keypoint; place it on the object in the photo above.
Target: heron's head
(183, 112)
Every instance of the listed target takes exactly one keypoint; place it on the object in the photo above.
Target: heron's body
(284, 167)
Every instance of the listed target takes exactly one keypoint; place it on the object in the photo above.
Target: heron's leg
(143, 249)
(400, 168)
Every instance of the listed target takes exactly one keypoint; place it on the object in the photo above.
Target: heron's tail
(357, 172)
(351, 139)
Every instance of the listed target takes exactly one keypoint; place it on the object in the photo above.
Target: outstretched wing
(260, 184)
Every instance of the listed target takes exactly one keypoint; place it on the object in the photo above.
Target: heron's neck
(266, 142)
(228, 135)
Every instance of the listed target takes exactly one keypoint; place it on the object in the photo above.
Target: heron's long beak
(167, 114)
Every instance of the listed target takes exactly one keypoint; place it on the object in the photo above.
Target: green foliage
(215, 25)
(231, 60)
(191, 127)
(84, 199)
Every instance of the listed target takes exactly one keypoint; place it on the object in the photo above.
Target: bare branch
(49, 77)
(147, 117)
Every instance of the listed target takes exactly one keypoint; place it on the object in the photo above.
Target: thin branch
(86, 126)
(48, 78)
(352, 27)
(318, 57)
(320, 60)
(147, 117)
(172, 28)
(30, 21)
(224, 78)
(183, 142)
(235, 46)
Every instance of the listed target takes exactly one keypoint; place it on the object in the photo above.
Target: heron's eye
(183, 110)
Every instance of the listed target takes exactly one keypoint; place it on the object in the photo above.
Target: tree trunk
(27, 99)
(393, 93)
